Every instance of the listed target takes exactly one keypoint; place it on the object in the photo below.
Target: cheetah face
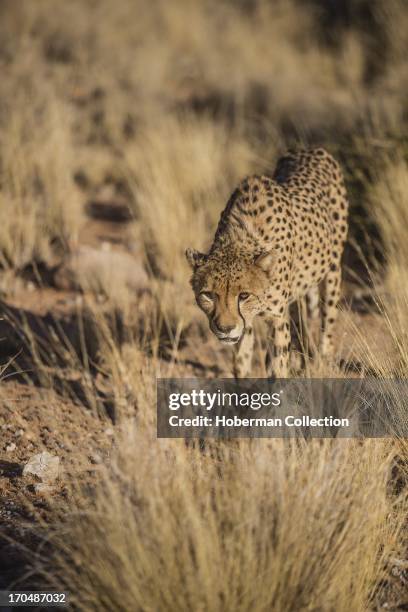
(230, 296)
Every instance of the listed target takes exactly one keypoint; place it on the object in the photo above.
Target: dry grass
(176, 102)
(181, 170)
(39, 201)
(262, 526)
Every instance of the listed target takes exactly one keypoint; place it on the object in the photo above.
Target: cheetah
(279, 238)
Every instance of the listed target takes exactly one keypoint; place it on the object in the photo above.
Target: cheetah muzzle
(279, 238)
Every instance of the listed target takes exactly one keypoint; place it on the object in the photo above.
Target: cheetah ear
(195, 258)
(265, 261)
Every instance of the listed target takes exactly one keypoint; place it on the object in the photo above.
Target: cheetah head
(230, 291)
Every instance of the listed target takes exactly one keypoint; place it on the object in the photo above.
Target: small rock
(96, 459)
(109, 431)
(43, 489)
(11, 447)
(44, 466)
(101, 269)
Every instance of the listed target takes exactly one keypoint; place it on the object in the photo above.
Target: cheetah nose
(223, 329)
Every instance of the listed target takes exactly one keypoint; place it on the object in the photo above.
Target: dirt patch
(33, 420)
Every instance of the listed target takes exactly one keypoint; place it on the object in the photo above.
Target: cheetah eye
(207, 295)
(243, 296)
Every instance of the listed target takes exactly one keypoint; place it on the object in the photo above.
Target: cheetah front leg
(243, 354)
(312, 300)
(331, 297)
(281, 346)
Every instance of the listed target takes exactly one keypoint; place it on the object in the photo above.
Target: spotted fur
(278, 239)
